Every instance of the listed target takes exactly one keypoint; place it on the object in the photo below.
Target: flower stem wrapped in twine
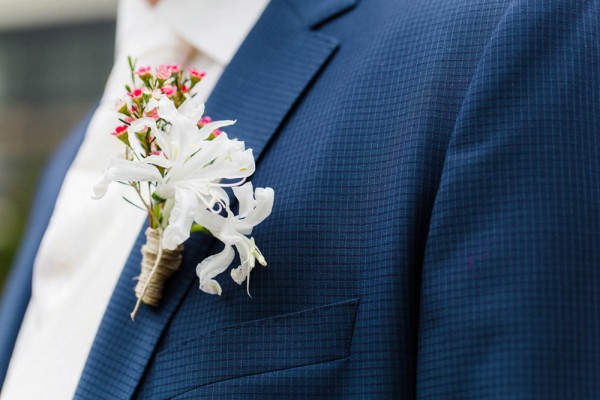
(158, 265)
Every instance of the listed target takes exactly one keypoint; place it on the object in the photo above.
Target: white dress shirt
(88, 241)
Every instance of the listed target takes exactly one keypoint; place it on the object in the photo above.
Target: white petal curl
(213, 266)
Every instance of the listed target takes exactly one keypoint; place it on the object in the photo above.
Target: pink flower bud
(120, 130)
(195, 74)
(216, 132)
(168, 90)
(174, 68)
(135, 94)
(204, 120)
(163, 72)
(184, 89)
(144, 72)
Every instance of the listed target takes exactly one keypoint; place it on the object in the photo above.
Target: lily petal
(245, 196)
(248, 255)
(213, 266)
(218, 159)
(210, 220)
(181, 219)
(191, 108)
(206, 130)
(263, 206)
(158, 160)
(181, 127)
(124, 170)
(100, 189)
(135, 144)
(234, 165)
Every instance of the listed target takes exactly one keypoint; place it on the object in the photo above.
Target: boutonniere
(178, 163)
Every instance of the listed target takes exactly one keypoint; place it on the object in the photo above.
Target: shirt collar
(215, 28)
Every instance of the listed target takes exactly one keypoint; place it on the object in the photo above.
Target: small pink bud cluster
(169, 90)
(195, 75)
(120, 133)
(148, 85)
(120, 130)
(165, 71)
(144, 72)
(204, 120)
(135, 93)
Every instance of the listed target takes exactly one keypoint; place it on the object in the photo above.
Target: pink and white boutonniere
(178, 162)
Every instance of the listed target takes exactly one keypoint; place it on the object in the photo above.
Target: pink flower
(185, 89)
(144, 72)
(163, 72)
(216, 132)
(195, 74)
(153, 113)
(204, 120)
(168, 90)
(119, 130)
(174, 68)
(135, 94)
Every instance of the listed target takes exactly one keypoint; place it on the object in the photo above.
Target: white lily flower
(233, 230)
(180, 165)
(195, 184)
(193, 166)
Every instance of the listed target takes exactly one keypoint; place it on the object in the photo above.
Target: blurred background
(55, 56)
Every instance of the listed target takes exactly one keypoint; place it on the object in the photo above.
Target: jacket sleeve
(510, 296)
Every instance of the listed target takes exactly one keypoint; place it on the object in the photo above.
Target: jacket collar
(272, 68)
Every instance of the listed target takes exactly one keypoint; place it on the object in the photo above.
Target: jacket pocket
(285, 341)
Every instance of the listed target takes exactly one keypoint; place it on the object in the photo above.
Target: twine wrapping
(158, 265)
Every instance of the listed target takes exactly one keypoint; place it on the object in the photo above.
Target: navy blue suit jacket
(436, 230)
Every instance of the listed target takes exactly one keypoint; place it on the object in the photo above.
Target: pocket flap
(297, 339)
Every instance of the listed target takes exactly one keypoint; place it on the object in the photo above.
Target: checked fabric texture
(436, 228)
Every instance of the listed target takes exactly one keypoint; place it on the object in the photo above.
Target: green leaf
(156, 209)
(133, 204)
(199, 228)
(132, 63)
(158, 198)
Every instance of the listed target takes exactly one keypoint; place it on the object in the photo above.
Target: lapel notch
(316, 12)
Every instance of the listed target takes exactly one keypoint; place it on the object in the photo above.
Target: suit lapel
(272, 68)
(268, 74)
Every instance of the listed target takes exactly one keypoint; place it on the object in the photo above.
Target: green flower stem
(151, 218)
